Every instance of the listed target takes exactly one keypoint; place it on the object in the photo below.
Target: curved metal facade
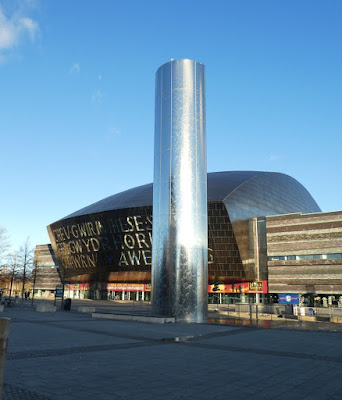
(111, 240)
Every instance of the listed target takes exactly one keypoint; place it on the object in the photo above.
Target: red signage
(242, 287)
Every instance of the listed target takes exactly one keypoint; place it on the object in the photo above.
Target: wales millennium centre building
(105, 250)
(237, 235)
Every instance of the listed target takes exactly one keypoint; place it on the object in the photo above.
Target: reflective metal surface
(180, 235)
(265, 193)
(111, 240)
(275, 193)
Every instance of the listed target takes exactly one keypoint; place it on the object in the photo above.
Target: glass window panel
(334, 255)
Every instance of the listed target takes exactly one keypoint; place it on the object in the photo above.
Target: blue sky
(77, 96)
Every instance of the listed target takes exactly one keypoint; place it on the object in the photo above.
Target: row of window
(306, 257)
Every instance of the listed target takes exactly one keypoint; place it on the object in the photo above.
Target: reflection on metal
(180, 236)
(263, 194)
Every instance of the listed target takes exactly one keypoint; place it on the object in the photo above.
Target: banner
(127, 287)
(119, 287)
(288, 298)
(241, 287)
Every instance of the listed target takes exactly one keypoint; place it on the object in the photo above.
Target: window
(276, 258)
(305, 257)
(334, 255)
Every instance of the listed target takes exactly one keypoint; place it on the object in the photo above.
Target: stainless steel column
(180, 228)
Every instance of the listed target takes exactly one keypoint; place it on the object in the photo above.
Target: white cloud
(112, 132)
(8, 32)
(30, 26)
(274, 157)
(97, 97)
(75, 68)
(15, 28)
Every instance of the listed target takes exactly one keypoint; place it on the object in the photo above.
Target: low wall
(86, 309)
(130, 317)
(46, 307)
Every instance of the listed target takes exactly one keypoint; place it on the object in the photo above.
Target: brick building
(304, 255)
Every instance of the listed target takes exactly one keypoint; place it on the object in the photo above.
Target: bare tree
(26, 260)
(4, 242)
(12, 269)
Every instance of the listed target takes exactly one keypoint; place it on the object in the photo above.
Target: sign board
(255, 287)
(288, 299)
(240, 287)
(59, 292)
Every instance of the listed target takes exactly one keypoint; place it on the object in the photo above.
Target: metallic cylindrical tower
(180, 228)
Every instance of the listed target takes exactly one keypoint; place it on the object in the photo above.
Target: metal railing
(277, 316)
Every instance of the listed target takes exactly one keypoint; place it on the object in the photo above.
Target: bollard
(257, 315)
(4, 331)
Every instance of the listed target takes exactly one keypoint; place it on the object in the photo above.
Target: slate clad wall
(297, 234)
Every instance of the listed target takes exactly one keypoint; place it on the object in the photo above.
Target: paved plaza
(70, 355)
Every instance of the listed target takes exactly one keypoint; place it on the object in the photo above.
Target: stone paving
(69, 355)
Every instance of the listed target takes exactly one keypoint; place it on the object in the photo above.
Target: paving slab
(69, 355)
